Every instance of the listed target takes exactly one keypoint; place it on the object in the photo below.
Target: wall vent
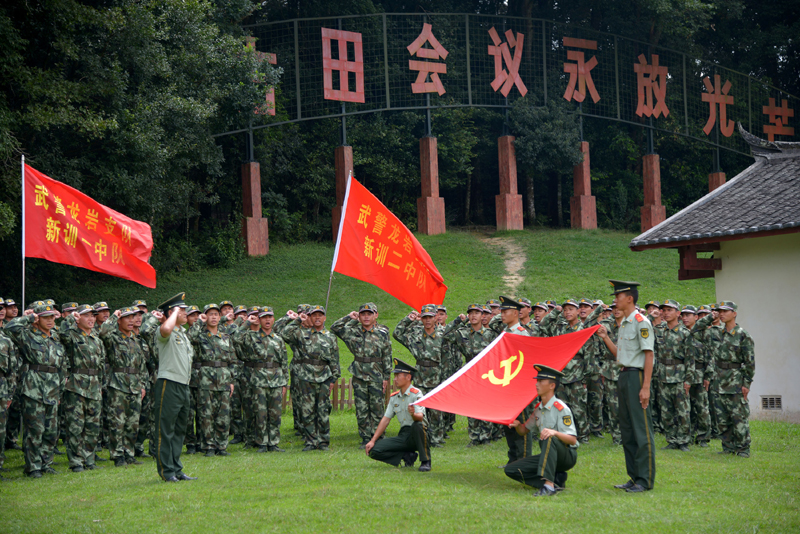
(772, 402)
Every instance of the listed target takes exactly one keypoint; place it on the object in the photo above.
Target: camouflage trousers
(314, 405)
(673, 402)
(40, 429)
(294, 392)
(83, 428)
(213, 419)
(654, 403)
(434, 422)
(145, 418)
(479, 431)
(712, 410)
(191, 438)
(733, 418)
(370, 406)
(3, 423)
(594, 402)
(574, 395)
(267, 407)
(104, 419)
(237, 405)
(248, 410)
(611, 408)
(123, 423)
(14, 425)
(701, 415)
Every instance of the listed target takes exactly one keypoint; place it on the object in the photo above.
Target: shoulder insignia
(520, 329)
(537, 405)
(639, 318)
(414, 390)
(567, 420)
(645, 333)
(395, 393)
(558, 406)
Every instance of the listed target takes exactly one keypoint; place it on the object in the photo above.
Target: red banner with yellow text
(497, 384)
(374, 246)
(63, 225)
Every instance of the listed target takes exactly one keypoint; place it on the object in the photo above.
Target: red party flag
(63, 225)
(375, 247)
(497, 384)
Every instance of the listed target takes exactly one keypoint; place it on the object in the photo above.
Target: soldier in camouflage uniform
(525, 319)
(192, 438)
(610, 375)
(318, 368)
(294, 392)
(709, 336)
(229, 327)
(590, 311)
(372, 364)
(148, 330)
(265, 357)
(9, 364)
(213, 350)
(653, 309)
(127, 375)
(564, 319)
(41, 383)
(699, 380)
(735, 362)
(101, 314)
(674, 370)
(422, 336)
(83, 394)
(469, 337)
(251, 320)
(147, 344)
(14, 426)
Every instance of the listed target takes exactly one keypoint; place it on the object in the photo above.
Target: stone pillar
(430, 207)
(583, 206)
(715, 179)
(343, 166)
(255, 229)
(653, 212)
(508, 203)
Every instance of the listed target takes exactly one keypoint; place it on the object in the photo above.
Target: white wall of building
(762, 275)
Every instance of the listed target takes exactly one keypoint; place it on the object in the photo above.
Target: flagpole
(23, 232)
(339, 236)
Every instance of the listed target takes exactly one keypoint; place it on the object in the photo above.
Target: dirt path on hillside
(514, 260)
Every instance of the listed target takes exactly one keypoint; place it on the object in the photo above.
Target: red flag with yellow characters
(63, 225)
(375, 247)
(497, 384)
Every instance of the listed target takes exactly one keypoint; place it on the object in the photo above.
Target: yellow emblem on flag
(508, 375)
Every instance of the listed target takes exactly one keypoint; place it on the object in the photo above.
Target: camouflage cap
(239, 309)
(569, 302)
(727, 305)
(50, 302)
(316, 308)
(2, 303)
(542, 305)
(43, 309)
(10, 302)
(585, 302)
(550, 303)
(509, 304)
(475, 307)
(441, 307)
(266, 310)
(368, 307)
(192, 309)
(493, 303)
(705, 308)
(486, 309)
(655, 303)
(429, 310)
(253, 309)
(130, 310)
(303, 308)
(139, 302)
(670, 303)
(525, 301)
(598, 302)
(211, 306)
(225, 303)
(689, 309)
(100, 306)
(613, 305)
(84, 308)
(35, 303)
(69, 306)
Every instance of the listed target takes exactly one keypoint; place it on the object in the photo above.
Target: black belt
(196, 365)
(699, 365)
(90, 372)
(312, 361)
(127, 370)
(214, 364)
(669, 361)
(428, 363)
(367, 360)
(630, 369)
(43, 368)
(725, 365)
(261, 365)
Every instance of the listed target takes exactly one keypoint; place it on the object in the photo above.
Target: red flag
(65, 226)
(374, 246)
(497, 384)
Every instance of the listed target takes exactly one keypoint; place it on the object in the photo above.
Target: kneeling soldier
(558, 438)
(412, 440)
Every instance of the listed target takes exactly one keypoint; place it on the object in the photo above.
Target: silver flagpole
(23, 233)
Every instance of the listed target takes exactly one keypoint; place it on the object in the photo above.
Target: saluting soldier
(422, 336)
(634, 352)
(147, 343)
(610, 375)
(371, 367)
(710, 337)
(589, 311)
(230, 327)
(193, 439)
(699, 380)
(9, 364)
(41, 383)
(674, 371)
(14, 425)
(83, 396)
(294, 382)
(412, 440)
(558, 439)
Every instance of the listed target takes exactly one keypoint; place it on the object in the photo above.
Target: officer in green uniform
(634, 352)
(558, 438)
(172, 388)
(412, 440)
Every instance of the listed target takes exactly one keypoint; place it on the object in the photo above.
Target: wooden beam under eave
(683, 274)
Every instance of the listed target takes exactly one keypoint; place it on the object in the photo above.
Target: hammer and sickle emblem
(508, 375)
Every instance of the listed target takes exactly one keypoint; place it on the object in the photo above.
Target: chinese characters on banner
(63, 225)
(651, 78)
(375, 247)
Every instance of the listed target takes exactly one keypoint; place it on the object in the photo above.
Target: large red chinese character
(779, 117)
(342, 66)
(718, 94)
(651, 82)
(580, 72)
(272, 59)
(421, 85)
(501, 52)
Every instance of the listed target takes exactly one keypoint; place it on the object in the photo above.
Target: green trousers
(636, 428)
(172, 415)
(519, 447)
(555, 457)
(412, 438)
